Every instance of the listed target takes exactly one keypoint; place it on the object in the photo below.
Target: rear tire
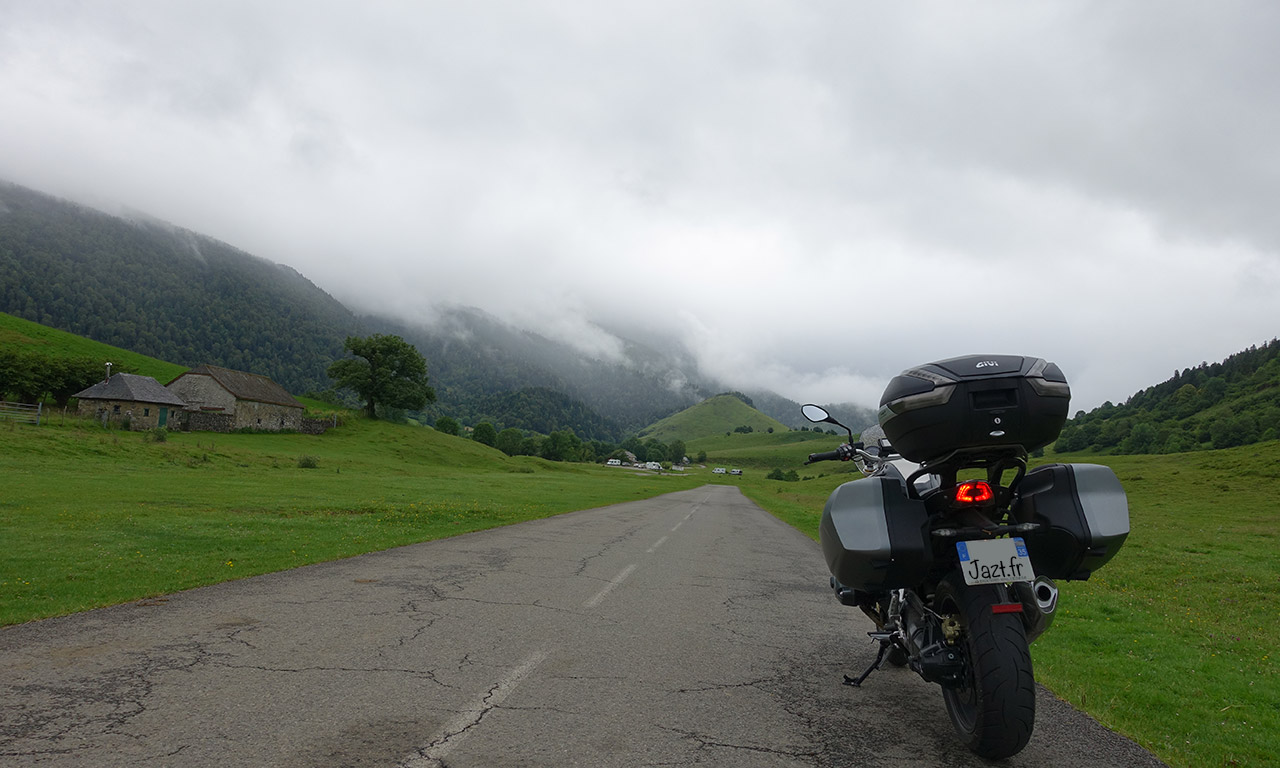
(995, 711)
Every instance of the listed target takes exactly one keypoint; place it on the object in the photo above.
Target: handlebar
(827, 456)
(855, 451)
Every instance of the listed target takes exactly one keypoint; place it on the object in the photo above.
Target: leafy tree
(1141, 439)
(561, 445)
(655, 451)
(448, 425)
(636, 448)
(386, 370)
(485, 433)
(509, 441)
(676, 451)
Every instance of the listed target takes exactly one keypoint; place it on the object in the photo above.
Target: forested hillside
(176, 295)
(164, 292)
(1235, 402)
(541, 410)
(473, 356)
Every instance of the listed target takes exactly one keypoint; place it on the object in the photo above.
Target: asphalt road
(691, 629)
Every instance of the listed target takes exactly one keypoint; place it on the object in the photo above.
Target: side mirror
(815, 413)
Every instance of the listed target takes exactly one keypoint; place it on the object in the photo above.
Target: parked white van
(614, 462)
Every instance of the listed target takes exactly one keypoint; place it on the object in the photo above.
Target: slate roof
(246, 386)
(129, 386)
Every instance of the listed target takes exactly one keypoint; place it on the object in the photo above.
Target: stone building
(223, 400)
(141, 401)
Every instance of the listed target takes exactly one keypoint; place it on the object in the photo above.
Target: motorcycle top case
(1083, 515)
(874, 537)
(991, 401)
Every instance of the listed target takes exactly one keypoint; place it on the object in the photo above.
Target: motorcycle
(952, 546)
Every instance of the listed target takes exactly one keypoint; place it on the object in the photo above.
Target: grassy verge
(1173, 643)
(93, 517)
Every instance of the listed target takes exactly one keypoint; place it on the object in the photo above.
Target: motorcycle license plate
(994, 561)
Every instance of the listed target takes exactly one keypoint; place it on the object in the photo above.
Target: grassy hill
(24, 335)
(713, 416)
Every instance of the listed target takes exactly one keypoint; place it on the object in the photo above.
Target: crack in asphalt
(432, 756)
(706, 743)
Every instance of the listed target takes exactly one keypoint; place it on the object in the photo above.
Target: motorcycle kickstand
(884, 651)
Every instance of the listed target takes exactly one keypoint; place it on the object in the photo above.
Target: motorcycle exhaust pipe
(1046, 593)
(1039, 602)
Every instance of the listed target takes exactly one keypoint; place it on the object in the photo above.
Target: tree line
(31, 377)
(1220, 405)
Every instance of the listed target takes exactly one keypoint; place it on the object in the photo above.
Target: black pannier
(1083, 515)
(977, 401)
(874, 536)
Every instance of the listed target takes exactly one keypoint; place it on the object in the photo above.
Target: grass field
(93, 517)
(1171, 644)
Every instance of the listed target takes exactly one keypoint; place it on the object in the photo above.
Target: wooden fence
(29, 414)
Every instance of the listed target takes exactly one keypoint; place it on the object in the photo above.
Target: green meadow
(94, 517)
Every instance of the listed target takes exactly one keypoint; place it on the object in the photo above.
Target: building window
(146, 411)
(115, 409)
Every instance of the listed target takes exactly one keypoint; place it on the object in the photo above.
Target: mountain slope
(168, 293)
(543, 411)
(472, 355)
(164, 292)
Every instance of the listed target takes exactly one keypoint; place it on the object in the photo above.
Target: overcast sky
(812, 195)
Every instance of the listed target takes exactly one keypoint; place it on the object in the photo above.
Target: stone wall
(218, 421)
(209, 421)
(315, 426)
(139, 415)
(267, 417)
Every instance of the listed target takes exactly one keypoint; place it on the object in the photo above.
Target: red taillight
(974, 492)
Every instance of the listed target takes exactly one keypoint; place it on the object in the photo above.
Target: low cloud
(810, 198)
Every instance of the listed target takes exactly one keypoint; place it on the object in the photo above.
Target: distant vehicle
(652, 465)
(735, 471)
(718, 471)
(614, 462)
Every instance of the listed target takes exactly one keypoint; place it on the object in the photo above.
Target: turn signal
(974, 492)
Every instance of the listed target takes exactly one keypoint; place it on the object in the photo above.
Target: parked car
(735, 471)
(718, 471)
(614, 462)
(652, 465)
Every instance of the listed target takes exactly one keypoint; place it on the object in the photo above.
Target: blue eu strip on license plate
(994, 561)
